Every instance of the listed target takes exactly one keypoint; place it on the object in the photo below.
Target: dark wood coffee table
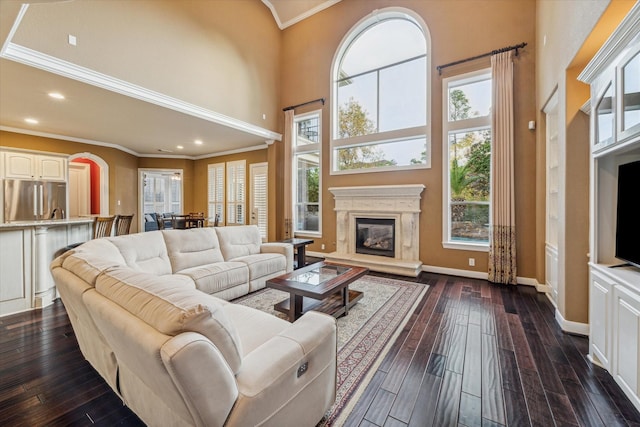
(322, 286)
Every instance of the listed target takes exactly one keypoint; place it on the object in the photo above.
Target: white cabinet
(600, 316)
(614, 305)
(24, 165)
(626, 367)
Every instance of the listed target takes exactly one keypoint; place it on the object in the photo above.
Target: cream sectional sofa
(151, 314)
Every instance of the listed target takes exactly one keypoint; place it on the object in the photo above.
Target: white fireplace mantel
(398, 202)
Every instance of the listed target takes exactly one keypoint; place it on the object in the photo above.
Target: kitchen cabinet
(26, 165)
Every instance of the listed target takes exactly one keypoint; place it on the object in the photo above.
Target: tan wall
(200, 178)
(456, 33)
(220, 55)
(123, 175)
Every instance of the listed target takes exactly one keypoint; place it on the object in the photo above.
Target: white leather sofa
(151, 315)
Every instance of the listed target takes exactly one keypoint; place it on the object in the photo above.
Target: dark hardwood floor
(472, 354)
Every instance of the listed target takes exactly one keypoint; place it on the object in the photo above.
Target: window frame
(388, 136)
(459, 126)
(300, 150)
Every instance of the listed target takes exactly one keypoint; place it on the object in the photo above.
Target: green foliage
(313, 185)
(459, 179)
(458, 105)
(353, 121)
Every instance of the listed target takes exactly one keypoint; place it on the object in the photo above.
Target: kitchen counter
(26, 250)
(45, 222)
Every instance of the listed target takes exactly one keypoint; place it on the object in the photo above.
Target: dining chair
(123, 224)
(179, 222)
(195, 220)
(102, 226)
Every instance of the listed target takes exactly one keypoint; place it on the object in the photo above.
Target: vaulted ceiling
(102, 109)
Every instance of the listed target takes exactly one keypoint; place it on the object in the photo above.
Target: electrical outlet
(472, 262)
(322, 247)
(118, 202)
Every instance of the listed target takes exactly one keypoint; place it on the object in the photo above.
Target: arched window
(380, 108)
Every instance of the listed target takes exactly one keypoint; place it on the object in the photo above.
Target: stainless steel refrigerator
(34, 200)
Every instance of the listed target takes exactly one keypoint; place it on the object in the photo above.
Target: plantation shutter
(259, 198)
(236, 193)
(215, 179)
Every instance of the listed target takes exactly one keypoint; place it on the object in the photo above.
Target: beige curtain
(502, 238)
(288, 204)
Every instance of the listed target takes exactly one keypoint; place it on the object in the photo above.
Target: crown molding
(301, 17)
(14, 28)
(628, 29)
(58, 66)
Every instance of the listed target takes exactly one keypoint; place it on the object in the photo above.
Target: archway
(104, 178)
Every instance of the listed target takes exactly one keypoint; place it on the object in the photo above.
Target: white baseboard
(572, 327)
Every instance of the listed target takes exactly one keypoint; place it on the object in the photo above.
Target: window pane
(357, 106)
(307, 192)
(307, 131)
(469, 185)
(403, 95)
(395, 153)
(631, 98)
(605, 116)
(470, 222)
(470, 100)
(392, 40)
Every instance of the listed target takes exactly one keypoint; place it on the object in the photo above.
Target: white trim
(571, 327)
(617, 42)
(104, 178)
(64, 68)
(301, 150)
(478, 247)
(127, 150)
(14, 28)
(141, 172)
(282, 25)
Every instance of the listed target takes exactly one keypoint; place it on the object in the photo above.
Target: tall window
(467, 129)
(236, 192)
(380, 115)
(306, 173)
(215, 193)
(162, 191)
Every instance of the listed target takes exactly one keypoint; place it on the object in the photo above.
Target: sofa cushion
(172, 305)
(145, 252)
(237, 241)
(192, 248)
(88, 260)
(245, 320)
(261, 265)
(212, 278)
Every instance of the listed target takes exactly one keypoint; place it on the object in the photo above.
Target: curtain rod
(303, 104)
(493, 52)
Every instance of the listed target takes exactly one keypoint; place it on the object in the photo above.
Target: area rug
(364, 336)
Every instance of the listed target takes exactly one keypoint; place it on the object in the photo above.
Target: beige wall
(219, 55)
(123, 175)
(459, 29)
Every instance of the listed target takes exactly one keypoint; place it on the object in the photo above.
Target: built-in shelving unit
(553, 193)
(614, 298)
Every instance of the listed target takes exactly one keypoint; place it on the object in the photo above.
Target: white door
(79, 189)
(259, 197)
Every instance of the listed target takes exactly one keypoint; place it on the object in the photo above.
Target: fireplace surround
(397, 203)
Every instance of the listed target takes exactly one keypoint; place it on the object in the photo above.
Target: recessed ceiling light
(179, 147)
(198, 142)
(56, 95)
(31, 121)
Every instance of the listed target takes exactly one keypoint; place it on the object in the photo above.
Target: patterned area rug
(364, 336)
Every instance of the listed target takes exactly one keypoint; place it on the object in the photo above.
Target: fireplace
(376, 236)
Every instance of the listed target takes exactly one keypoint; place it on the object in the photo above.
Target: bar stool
(123, 224)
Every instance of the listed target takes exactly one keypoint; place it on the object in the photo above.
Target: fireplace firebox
(376, 236)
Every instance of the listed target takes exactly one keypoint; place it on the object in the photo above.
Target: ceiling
(97, 110)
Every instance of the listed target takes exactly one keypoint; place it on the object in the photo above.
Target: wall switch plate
(72, 40)
(322, 247)
(472, 262)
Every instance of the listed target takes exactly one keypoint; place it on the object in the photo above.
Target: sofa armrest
(285, 249)
(301, 360)
(202, 376)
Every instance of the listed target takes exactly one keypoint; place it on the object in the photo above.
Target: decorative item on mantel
(398, 203)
